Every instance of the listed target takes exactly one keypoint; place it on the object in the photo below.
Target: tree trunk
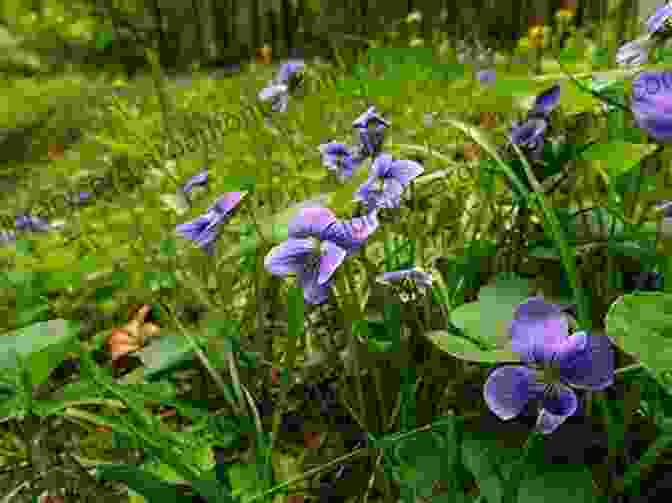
(288, 26)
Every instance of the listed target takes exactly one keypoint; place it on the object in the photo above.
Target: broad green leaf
(44, 344)
(569, 55)
(557, 482)
(165, 353)
(244, 480)
(32, 314)
(617, 157)
(509, 86)
(151, 487)
(163, 471)
(641, 325)
(12, 405)
(466, 350)
(485, 456)
(509, 290)
(488, 319)
(415, 459)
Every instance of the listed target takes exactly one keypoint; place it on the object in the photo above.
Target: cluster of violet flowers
(26, 222)
(658, 29)
(553, 363)
(651, 98)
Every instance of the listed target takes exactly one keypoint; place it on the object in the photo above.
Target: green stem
(567, 256)
(206, 364)
(633, 475)
(331, 464)
(352, 314)
(518, 470)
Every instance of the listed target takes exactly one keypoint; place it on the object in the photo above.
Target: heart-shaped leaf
(641, 325)
(44, 345)
(617, 157)
(466, 350)
(488, 319)
(165, 353)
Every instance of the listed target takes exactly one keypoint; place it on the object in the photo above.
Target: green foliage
(483, 324)
(43, 345)
(640, 325)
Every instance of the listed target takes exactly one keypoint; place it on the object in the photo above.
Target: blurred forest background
(48, 35)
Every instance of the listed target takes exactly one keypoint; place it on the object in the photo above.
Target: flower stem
(518, 469)
(206, 364)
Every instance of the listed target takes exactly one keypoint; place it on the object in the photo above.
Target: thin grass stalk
(238, 408)
(568, 258)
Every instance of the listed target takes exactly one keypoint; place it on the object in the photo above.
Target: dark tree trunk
(288, 26)
(200, 36)
(162, 39)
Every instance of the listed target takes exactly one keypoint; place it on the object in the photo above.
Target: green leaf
(509, 86)
(244, 480)
(641, 325)
(617, 157)
(152, 488)
(484, 455)
(556, 482)
(466, 350)
(569, 55)
(295, 322)
(24, 247)
(44, 344)
(487, 320)
(104, 39)
(415, 459)
(32, 314)
(164, 354)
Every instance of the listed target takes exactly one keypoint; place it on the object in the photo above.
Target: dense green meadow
(427, 271)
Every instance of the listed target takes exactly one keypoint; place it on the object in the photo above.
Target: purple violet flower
(407, 283)
(666, 208)
(652, 106)
(84, 196)
(308, 254)
(289, 70)
(340, 158)
(199, 179)
(665, 228)
(660, 22)
(545, 103)
(7, 237)
(486, 77)
(277, 94)
(530, 136)
(553, 363)
(205, 229)
(387, 180)
(371, 129)
(352, 234)
(31, 223)
(634, 53)
(318, 244)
